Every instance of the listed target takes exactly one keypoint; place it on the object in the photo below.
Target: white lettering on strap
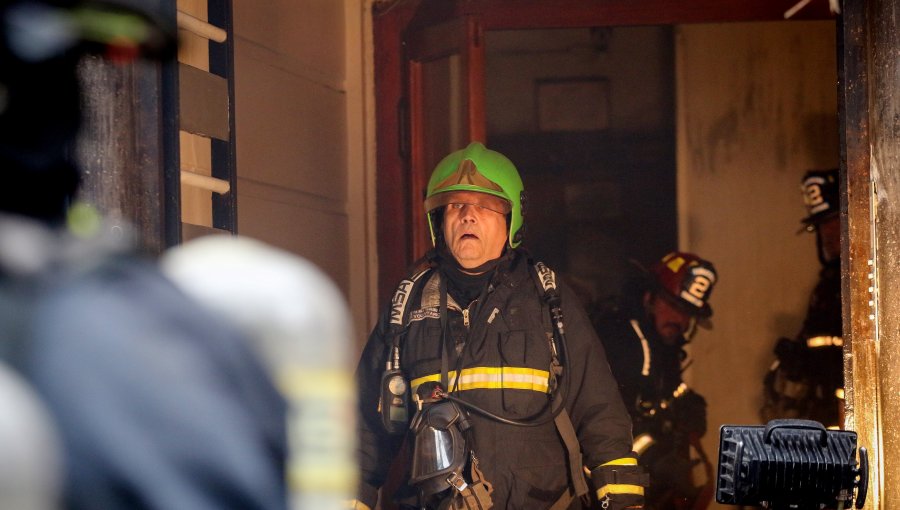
(546, 276)
(401, 298)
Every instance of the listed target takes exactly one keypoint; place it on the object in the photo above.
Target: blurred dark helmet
(687, 280)
(820, 194)
(41, 43)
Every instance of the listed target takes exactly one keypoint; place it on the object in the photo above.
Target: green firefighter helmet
(479, 169)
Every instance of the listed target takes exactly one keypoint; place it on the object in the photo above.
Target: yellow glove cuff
(624, 461)
(617, 488)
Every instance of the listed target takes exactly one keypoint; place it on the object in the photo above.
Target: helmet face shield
(481, 200)
(479, 171)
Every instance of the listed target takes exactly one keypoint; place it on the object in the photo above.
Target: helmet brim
(474, 197)
(701, 314)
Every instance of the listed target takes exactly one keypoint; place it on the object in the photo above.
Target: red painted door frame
(398, 181)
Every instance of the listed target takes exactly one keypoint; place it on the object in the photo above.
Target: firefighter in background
(157, 402)
(807, 379)
(644, 337)
(488, 369)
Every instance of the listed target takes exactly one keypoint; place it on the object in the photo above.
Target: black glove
(689, 413)
(620, 484)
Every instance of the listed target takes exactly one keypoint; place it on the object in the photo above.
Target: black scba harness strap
(395, 421)
(394, 401)
(547, 280)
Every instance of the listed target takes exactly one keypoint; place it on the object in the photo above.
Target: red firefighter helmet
(688, 279)
(821, 195)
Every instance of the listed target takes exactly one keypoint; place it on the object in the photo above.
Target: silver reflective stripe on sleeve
(645, 369)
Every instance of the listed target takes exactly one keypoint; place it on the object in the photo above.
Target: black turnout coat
(504, 356)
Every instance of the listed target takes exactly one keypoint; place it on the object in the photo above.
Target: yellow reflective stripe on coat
(824, 341)
(493, 378)
(619, 488)
(623, 461)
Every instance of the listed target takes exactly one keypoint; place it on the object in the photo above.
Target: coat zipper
(465, 313)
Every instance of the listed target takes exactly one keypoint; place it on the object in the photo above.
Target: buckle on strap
(457, 482)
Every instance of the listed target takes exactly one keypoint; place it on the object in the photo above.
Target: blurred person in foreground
(487, 368)
(157, 402)
(644, 336)
(806, 381)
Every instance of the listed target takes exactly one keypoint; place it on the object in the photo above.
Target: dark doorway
(599, 184)
(587, 115)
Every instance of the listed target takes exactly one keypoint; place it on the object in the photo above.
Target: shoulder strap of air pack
(400, 302)
(399, 315)
(546, 280)
(546, 277)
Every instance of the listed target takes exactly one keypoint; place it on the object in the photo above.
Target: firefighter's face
(475, 228)
(671, 322)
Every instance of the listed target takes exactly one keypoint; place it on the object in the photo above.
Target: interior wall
(629, 59)
(302, 152)
(756, 108)
(587, 116)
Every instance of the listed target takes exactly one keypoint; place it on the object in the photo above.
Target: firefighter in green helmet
(488, 370)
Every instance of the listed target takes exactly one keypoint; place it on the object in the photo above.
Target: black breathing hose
(554, 301)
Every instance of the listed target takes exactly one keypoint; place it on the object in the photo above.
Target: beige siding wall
(300, 102)
(756, 108)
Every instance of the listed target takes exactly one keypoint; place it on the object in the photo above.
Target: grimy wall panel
(302, 149)
(291, 130)
(120, 148)
(757, 107)
(291, 125)
(316, 244)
